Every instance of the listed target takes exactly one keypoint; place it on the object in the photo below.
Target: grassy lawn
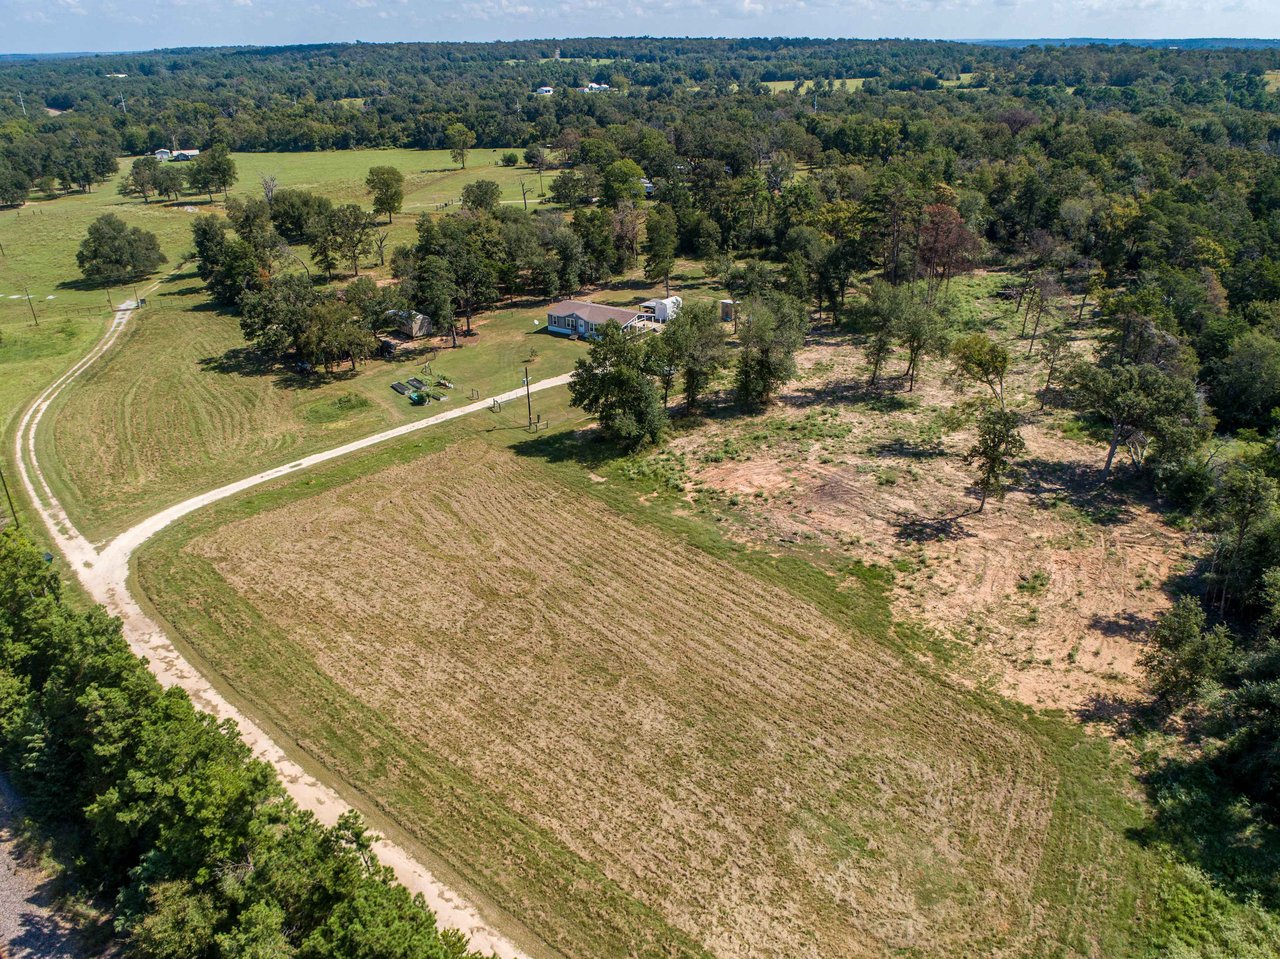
(171, 411)
(40, 241)
(852, 83)
(671, 746)
(181, 406)
(432, 180)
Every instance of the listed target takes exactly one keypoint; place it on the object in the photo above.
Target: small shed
(728, 308)
(163, 154)
(410, 322)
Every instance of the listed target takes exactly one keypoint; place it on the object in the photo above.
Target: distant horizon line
(1080, 40)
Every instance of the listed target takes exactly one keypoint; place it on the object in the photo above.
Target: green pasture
(39, 244)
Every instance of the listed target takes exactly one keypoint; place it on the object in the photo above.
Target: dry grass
(707, 748)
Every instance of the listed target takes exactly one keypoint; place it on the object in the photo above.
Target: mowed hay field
(41, 238)
(603, 720)
(180, 405)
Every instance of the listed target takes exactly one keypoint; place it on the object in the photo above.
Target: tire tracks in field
(104, 572)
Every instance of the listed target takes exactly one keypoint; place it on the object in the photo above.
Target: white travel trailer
(664, 309)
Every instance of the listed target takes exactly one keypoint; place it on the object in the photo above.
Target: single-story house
(596, 88)
(180, 155)
(163, 155)
(546, 91)
(410, 322)
(578, 317)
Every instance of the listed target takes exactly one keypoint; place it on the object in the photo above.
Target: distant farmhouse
(583, 319)
(179, 155)
(546, 91)
(595, 88)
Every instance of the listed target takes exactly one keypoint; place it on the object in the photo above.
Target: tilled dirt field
(672, 753)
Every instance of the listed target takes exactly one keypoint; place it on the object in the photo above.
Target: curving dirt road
(104, 571)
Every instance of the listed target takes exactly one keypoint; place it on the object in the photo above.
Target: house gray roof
(593, 312)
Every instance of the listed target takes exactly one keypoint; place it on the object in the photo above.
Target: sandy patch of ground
(1053, 588)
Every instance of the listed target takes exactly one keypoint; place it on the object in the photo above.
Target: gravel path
(104, 571)
(29, 928)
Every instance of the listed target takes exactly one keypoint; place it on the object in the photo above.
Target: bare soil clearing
(1052, 589)
(666, 740)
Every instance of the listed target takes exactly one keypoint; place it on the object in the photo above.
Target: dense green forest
(341, 96)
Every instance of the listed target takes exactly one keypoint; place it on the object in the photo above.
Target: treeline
(407, 95)
(165, 813)
(55, 158)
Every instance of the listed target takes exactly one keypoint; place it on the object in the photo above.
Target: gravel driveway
(29, 928)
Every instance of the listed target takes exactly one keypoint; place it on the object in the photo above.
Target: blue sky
(56, 25)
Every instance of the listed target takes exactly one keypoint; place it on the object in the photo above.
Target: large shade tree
(113, 252)
(612, 383)
(386, 184)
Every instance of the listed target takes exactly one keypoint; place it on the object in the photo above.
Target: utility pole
(528, 398)
(31, 306)
(17, 523)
